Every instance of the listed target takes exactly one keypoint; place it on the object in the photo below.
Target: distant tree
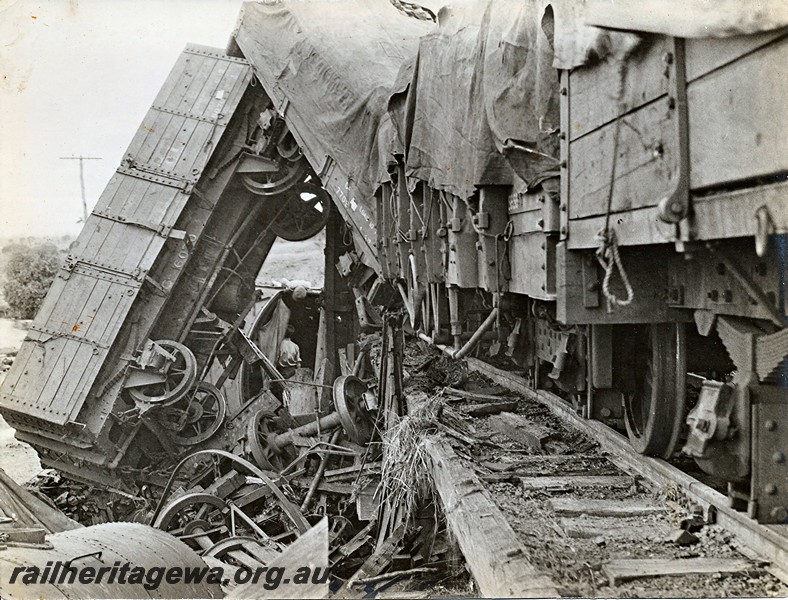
(29, 272)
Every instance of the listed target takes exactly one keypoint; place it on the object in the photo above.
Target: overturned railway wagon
(593, 198)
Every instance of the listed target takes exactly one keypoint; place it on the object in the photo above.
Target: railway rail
(588, 514)
(600, 245)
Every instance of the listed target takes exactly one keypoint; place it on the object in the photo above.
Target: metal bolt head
(770, 489)
(770, 425)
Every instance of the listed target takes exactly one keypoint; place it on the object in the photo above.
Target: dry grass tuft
(405, 478)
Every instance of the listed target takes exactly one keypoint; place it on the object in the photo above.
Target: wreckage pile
(360, 462)
(423, 449)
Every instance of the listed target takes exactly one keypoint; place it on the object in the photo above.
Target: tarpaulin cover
(690, 18)
(28, 510)
(463, 99)
(458, 89)
(484, 78)
(337, 62)
(587, 30)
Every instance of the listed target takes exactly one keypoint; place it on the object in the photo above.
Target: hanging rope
(607, 253)
(610, 259)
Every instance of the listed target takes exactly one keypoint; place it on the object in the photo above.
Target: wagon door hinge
(676, 206)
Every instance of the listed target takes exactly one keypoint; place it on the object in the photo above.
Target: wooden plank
(371, 467)
(708, 54)
(593, 87)
(520, 429)
(207, 95)
(161, 205)
(745, 137)
(81, 370)
(108, 193)
(97, 235)
(68, 315)
(488, 408)
(769, 544)
(189, 85)
(81, 327)
(147, 136)
(29, 350)
(612, 528)
(567, 463)
(646, 167)
(325, 486)
(357, 541)
(627, 569)
(496, 559)
(574, 507)
(36, 372)
(262, 554)
(184, 64)
(577, 482)
(177, 131)
(471, 395)
(724, 215)
(376, 562)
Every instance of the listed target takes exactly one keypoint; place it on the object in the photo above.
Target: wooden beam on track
(495, 557)
(767, 542)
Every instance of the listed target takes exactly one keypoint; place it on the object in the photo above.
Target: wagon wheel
(356, 420)
(654, 411)
(271, 184)
(205, 409)
(177, 377)
(259, 436)
(305, 213)
(194, 513)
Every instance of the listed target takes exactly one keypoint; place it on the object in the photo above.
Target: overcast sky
(77, 78)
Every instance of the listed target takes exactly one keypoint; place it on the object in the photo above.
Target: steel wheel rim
(209, 421)
(185, 370)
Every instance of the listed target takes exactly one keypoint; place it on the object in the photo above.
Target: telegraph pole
(81, 160)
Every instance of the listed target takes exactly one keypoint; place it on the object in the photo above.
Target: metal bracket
(103, 271)
(161, 177)
(769, 481)
(180, 113)
(191, 49)
(710, 419)
(676, 206)
(159, 289)
(325, 170)
(283, 106)
(161, 229)
(43, 331)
